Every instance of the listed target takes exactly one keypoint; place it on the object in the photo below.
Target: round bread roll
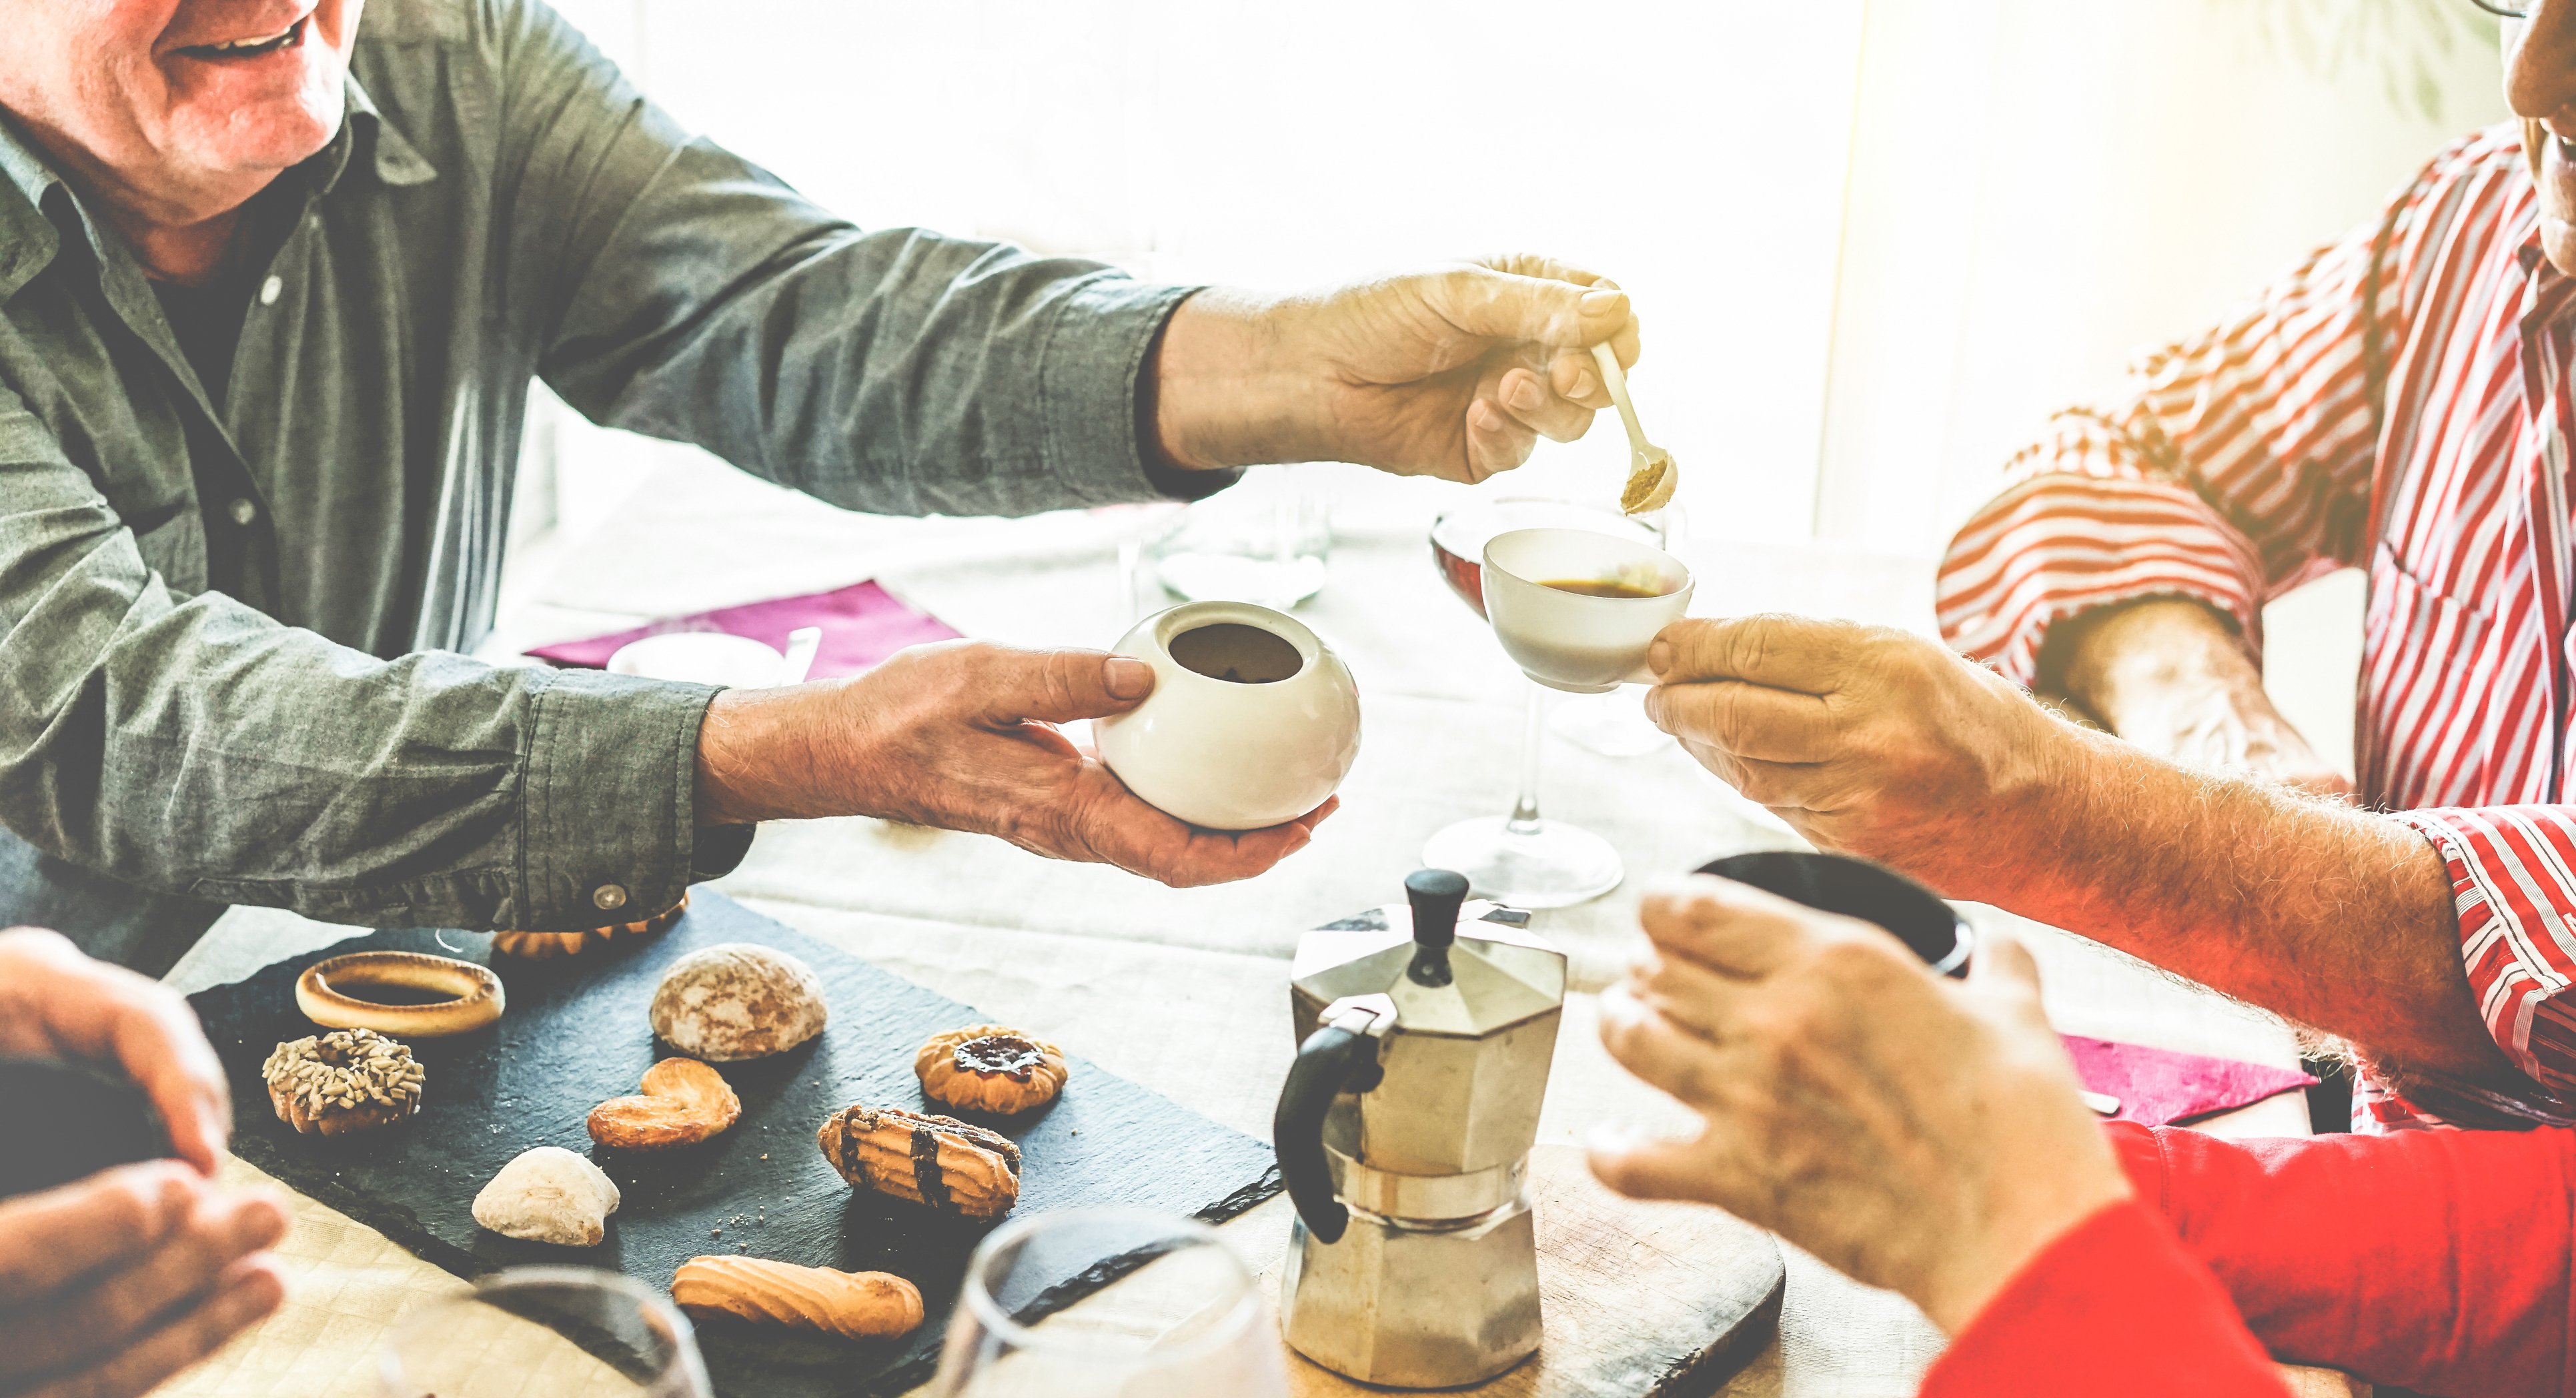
(735, 1001)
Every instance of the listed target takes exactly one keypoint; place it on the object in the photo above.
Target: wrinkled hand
(2171, 677)
(1864, 739)
(1453, 372)
(57, 1003)
(1916, 1133)
(110, 1284)
(961, 735)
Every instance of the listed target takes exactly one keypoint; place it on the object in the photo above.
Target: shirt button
(269, 290)
(242, 511)
(610, 897)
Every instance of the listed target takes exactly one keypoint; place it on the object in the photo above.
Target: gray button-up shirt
(499, 205)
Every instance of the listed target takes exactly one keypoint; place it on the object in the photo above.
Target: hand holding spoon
(1651, 471)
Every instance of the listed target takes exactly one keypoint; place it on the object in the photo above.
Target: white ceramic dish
(700, 657)
(1567, 640)
(1224, 754)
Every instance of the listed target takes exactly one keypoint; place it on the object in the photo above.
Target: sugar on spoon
(1651, 471)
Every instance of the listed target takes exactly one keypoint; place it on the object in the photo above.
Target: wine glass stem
(1525, 810)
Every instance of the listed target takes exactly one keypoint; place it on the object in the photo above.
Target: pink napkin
(2159, 1086)
(862, 624)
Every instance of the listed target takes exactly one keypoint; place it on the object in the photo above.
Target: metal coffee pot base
(1432, 1306)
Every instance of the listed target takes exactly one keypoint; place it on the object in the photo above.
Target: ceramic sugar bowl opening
(1253, 719)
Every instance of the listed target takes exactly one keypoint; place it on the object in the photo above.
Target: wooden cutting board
(1637, 1300)
(576, 1034)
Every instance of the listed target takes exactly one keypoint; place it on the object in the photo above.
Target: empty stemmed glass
(612, 1338)
(1183, 1318)
(1523, 859)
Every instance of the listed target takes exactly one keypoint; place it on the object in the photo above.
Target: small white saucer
(700, 657)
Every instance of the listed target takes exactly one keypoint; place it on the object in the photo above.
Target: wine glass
(612, 1338)
(1182, 1320)
(1522, 859)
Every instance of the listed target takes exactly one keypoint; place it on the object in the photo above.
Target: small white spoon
(1651, 471)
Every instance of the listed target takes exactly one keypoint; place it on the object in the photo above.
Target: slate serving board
(576, 1034)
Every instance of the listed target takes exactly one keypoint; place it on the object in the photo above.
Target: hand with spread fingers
(1863, 738)
(1454, 372)
(1917, 1133)
(961, 735)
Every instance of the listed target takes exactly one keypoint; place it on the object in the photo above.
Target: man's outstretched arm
(1886, 745)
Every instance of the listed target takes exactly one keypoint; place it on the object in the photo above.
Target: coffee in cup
(1576, 610)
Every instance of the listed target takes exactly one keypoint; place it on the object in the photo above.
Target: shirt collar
(29, 241)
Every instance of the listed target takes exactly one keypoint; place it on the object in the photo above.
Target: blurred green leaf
(2395, 39)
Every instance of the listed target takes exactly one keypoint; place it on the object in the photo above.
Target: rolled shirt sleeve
(2513, 882)
(2236, 466)
(683, 292)
(194, 746)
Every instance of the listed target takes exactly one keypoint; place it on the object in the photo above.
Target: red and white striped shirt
(2245, 464)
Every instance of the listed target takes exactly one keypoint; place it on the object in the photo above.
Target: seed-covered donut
(336, 1084)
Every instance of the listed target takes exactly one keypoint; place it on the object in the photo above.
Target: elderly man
(2402, 402)
(273, 283)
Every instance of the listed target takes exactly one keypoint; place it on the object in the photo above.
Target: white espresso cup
(1253, 719)
(1570, 640)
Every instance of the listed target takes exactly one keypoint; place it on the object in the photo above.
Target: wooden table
(1070, 951)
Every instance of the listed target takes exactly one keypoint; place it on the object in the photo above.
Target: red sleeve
(2434, 1260)
(2114, 1309)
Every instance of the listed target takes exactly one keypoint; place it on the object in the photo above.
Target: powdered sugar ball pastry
(547, 1194)
(736, 1000)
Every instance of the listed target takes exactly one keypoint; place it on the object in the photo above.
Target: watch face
(68, 1120)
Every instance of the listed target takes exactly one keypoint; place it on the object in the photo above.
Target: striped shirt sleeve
(2238, 467)
(2513, 881)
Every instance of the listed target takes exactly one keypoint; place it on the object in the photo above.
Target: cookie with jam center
(990, 1068)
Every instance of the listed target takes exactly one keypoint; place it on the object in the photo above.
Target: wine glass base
(1613, 724)
(1548, 865)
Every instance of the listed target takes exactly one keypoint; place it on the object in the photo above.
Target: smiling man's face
(172, 105)
(2540, 82)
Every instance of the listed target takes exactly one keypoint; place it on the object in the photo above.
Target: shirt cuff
(2059, 545)
(1098, 344)
(2513, 884)
(609, 801)
(2114, 1308)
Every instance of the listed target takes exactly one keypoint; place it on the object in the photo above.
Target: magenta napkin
(862, 624)
(2159, 1086)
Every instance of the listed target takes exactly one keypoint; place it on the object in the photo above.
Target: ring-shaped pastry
(476, 990)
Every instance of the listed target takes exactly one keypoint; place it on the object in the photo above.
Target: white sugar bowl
(1253, 719)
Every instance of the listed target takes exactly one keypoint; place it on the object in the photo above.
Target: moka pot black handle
(1333, 1060)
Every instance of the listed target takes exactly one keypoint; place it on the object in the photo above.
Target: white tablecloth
(1184, 990)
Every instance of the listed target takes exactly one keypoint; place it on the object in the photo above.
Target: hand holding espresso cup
(1917, 1133)
(961, 735)
(1865, 739)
